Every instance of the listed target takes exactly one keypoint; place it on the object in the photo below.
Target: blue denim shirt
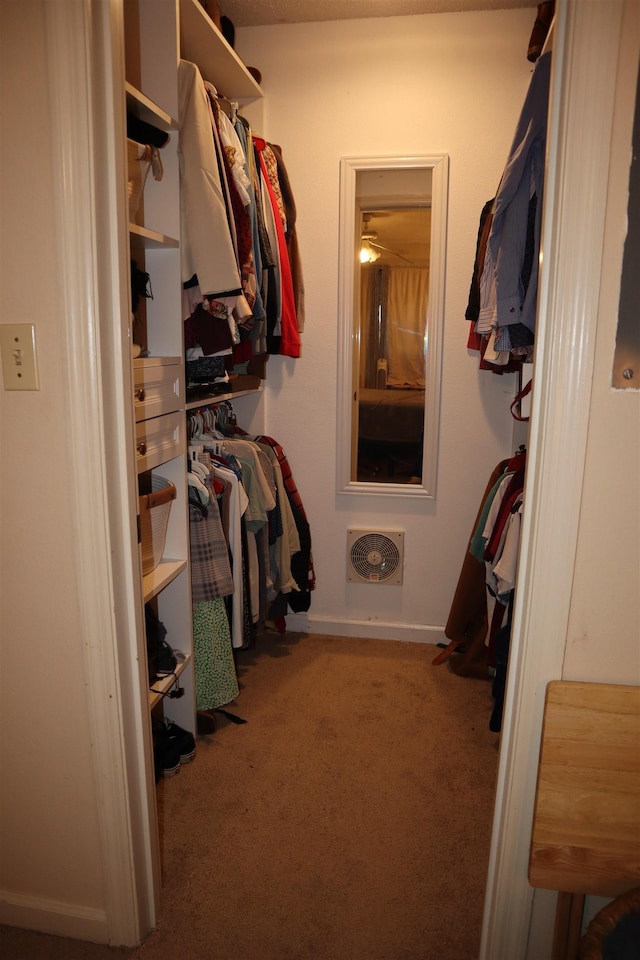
(523, 176)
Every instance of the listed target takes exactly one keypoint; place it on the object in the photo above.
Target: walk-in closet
(233, 508)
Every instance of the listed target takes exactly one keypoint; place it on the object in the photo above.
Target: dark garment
(512, 494)
(291, 235)
(205, 369)
(248, 627)
(541, 27)
(143, 132)
(502, 641)
(475, 341)
(473, 306)
(289, 336)
(241, 218)
(467, 621)
(211, 332)
(301, 561)
(522, 178)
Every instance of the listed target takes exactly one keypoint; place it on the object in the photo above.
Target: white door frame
(586, 45)
(85, 67)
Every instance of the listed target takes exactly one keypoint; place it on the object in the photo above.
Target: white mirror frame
(348, 345)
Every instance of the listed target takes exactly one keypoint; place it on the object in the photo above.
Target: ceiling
(249, 13)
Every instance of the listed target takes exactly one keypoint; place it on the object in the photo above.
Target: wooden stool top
(586, 826)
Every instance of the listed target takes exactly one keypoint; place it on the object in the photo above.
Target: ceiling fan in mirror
(370, 247)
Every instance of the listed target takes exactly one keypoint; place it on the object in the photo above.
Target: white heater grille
(375, 556)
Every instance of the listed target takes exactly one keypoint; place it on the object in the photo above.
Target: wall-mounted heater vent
(375, 556)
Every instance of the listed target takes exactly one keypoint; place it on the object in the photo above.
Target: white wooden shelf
(220, 398)
(202, 43)
(141, 362)
(142, 237)
(166, 571)
(145, 109)
(162, 685)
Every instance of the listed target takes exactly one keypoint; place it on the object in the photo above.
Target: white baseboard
(370, 629)
(53, 917)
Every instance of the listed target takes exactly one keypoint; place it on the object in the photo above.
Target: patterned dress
(211, 582)
(216, 681)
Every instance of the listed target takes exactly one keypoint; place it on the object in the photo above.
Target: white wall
(49, 847)
(441, 83)
(604, 623)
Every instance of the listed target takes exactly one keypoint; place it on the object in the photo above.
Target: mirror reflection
(393, 225)
(394, 288)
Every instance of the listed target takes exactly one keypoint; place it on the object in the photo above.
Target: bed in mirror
(393, 227)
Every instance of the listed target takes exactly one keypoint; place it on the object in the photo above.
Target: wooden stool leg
(568, 926)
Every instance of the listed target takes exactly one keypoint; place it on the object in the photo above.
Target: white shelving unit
(156, 36)
(151, 92)
(203, 44)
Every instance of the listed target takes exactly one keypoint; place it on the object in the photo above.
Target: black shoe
(166, 755)
(206, 723)
(181, 740)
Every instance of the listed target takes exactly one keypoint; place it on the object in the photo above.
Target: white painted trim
(586, 46)
(349, 168)
(84, 56)
(370, 629)
(53, 917)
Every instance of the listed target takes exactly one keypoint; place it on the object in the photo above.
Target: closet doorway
(586, 48)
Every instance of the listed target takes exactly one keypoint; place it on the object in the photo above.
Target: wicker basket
(140, 159)
(154, 518)
(615, 930)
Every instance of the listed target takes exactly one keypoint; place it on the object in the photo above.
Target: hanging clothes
(236, 502)
(467, 624)
(210, 567)
(211, 581)
(206, 246)
(258, 331)
(504, 291)
(263, 524)
(301, 563)
(286, 328)
(488, 575)
(237, 186)
(216, 681)
(217, 208)
(260, 486)
(291, 235)
(239, 244)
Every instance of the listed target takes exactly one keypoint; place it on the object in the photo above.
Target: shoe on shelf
(181, 740)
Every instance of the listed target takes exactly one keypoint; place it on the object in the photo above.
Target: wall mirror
(393, 215)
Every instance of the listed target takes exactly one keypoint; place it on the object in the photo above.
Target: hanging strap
(515, 406)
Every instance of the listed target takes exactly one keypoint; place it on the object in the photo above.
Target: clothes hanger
(230, 107)
(196, 425)
(198, 486)
(197, 468)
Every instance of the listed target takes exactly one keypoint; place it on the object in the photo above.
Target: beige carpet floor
(348, 819)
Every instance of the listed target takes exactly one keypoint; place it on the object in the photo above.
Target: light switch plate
(19, 366)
